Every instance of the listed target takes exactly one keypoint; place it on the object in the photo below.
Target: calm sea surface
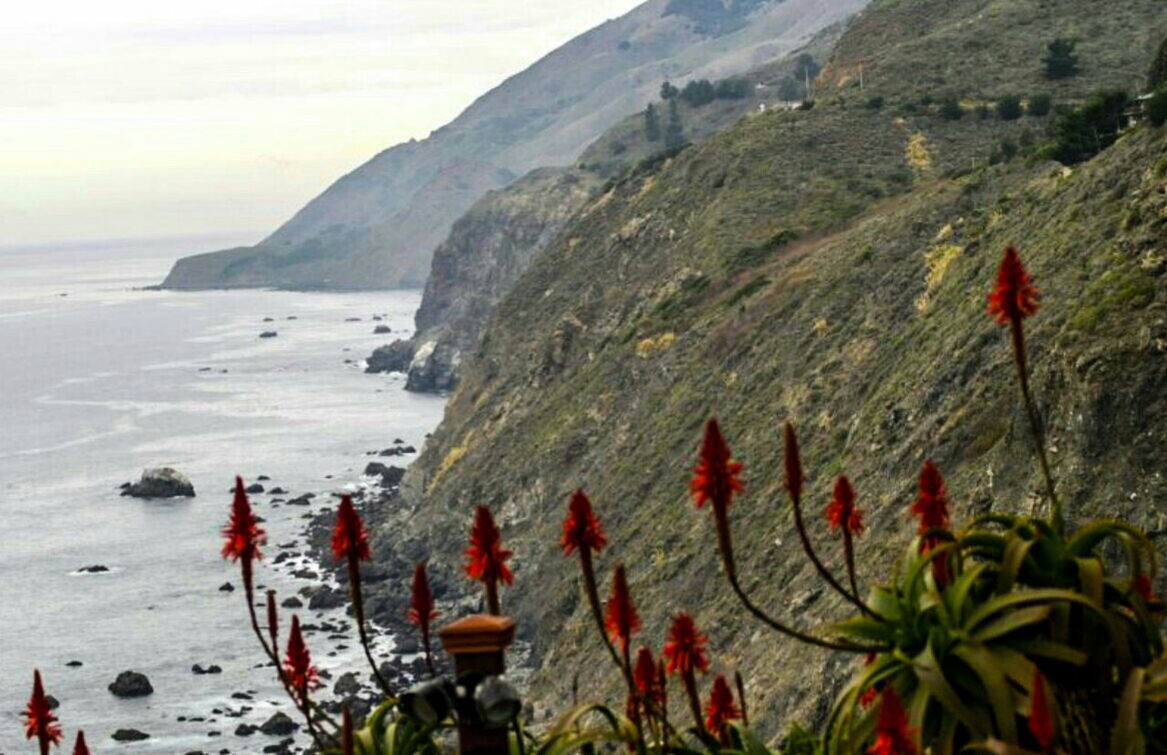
(98, 380)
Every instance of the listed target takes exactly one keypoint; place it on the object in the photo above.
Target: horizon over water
(101, 379)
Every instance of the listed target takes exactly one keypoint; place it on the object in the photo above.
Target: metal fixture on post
(486, 704)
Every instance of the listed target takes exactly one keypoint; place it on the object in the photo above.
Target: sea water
(99, 379)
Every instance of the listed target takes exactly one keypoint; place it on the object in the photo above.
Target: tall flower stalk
(486, 558)
(1012, 299)
(720, 709)
(621, 621)
(301, 674)
(842, 513)
(350, 543)
(243, 536)
(794, 480)
(583, 534)
(421, 610)
(685, 650)
(715, 480)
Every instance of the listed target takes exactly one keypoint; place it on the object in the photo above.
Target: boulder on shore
(396, 357)
(389, 475)
(161, 482)
(130, 735)
(131, 684)
(279, 725)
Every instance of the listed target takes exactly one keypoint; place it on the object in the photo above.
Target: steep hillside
(491, 245)
(828, 266)
(377, 226)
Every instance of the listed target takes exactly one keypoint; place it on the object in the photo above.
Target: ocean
(100, 379)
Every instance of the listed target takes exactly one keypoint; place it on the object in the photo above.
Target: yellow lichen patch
(731, 380)
(572, 243)
(646, 186)
(937, 261)
(944, 234)
(820, 326)
(647, 346)
(449, 460)
(917, 153)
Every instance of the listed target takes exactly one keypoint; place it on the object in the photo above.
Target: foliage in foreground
(1010, 635)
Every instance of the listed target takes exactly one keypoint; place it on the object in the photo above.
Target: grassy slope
(663, 301)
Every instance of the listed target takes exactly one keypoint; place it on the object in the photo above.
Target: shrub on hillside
(1009, 108)
(1086, 131)
(1039, 105)
(1060, 60)
(950, 109)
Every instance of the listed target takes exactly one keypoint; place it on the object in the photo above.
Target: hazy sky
(139, 117)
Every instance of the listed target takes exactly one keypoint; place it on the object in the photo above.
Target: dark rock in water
(263, 478)
(277, 490)
(161, 482)
(292, 602)
(434, 368)
(268, 334)
(240, 696)
(269, 319)
(389, 475)
(125, 486)
(302, 500)
(305, 574)
(352, 319)
(131, 684)
(254, 487)
(212, 669)
(130, 735)
(396, 357)
(226, 587)
(408, 450)
(74, 664)
(245, 730)
(406, 644)
(326, 597)
(346, 685)
(53, 702)
(381, 330)
(279, 725)
(291, 317)
(95, 569)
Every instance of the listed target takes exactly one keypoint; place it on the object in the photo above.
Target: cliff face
(377, 226)
(486, 251)
(829, 266)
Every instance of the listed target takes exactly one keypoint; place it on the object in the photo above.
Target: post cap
(478, 633)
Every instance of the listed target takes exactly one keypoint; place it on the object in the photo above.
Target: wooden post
(477, 644)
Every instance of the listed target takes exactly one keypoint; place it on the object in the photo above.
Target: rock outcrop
(131, 684)
(161, 482)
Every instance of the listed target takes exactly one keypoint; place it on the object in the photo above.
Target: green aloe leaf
(997, 689)
(1011, 622)
(930, 674)
(1125, 738)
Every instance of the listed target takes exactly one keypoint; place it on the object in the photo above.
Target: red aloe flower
(486, 558)
(931, 503)
(1040, 722)
(720, 708)
(421, 600)
(1013, 297)
(622, 619)
(243, 534)
(581, 529)
(349, 539)
(645, 676)
(1142, 587)
(40, 722)
(841, 511)
(867, 697)
(298, 662)
(892, 736)
(79, 747)
(685, 647)
(715, 477)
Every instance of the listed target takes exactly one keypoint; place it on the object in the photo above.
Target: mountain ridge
(377, 226)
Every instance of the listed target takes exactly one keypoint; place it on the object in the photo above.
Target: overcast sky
(127, 118)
